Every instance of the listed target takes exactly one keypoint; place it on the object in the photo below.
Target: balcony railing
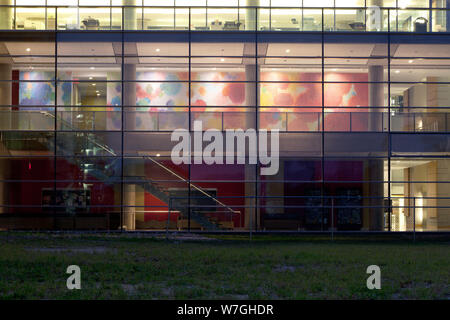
(169, 121)
(176, 18)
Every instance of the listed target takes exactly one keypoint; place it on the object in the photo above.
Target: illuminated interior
(217, 15)
(86, 117)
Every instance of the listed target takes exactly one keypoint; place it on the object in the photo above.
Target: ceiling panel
(85, 49)
(294, 50)
(217, 49)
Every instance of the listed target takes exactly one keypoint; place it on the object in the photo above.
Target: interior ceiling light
(28, 49)
(92, 68)
(288, 50)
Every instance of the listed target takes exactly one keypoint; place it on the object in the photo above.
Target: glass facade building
(91, 92)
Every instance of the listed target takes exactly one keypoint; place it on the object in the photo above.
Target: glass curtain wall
(219, 15)
(87, 120)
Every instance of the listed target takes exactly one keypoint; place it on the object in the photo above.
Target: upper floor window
(95, 2)
(318, 3)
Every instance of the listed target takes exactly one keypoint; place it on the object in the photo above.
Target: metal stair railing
(192, 185)
(154, 188)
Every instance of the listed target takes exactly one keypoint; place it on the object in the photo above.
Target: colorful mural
(42, 93)
(217, 93)
(214, 94)
(305, 90)
(226, 89)
(114, 99)
(36, 93)
(343, 92)
(168, 89)
(289, 92)
(162, 93)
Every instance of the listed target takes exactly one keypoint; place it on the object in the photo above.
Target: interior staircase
(45, 141)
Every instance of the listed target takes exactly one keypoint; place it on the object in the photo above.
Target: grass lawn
(113, 266)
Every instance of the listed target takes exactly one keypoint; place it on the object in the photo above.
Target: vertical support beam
(251, 86)
(129, 15)
(251, 15)
(5, 100)
(376, 96)
(447, 16)
(6, 15)
(129, 99)
(374, 168)
(5, 86)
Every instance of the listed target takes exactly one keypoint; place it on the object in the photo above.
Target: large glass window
(87, 121)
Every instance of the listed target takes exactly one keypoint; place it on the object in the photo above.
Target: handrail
(190, 184)
(346, 122)
(92, 140)
(154, 161)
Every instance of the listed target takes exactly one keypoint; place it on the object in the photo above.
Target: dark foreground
(114, 266)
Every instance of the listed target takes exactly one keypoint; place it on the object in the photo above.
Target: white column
(5, 95)
(129, 196)
(376, 96)
(130, 16)
(373, 217)
(251, 14)
(5, 87)
(6, 15)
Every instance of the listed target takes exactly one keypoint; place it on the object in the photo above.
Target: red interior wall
(30, 193)
(201, 172)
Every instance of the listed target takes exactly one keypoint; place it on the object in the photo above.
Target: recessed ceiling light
(94, 84)
(288, 50)
(158, 49)
(28, 49)
(410, 61)
(98, 94)
(97, 91)
(214, 68)
(397, 71)
(157, 154)
(92, 68)
(334, 70)
(222, 59)
(90, 78)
